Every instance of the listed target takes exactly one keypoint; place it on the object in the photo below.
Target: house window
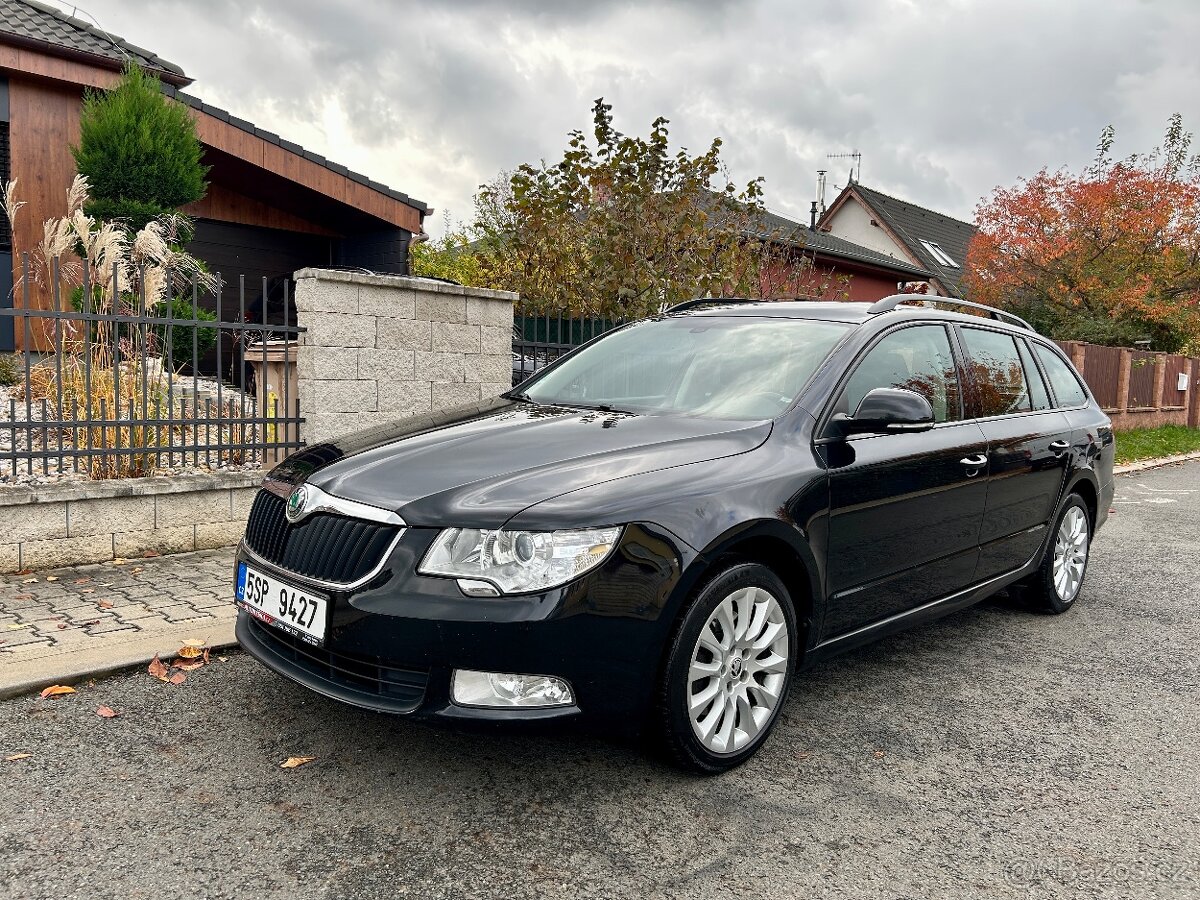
(939, 254)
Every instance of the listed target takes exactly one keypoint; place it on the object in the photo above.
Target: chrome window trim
(288, 574)
(323, 501)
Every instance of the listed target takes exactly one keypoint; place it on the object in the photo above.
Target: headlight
(518, 561)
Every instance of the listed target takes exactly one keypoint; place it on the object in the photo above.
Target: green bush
(181, 335)
(139, 152)
(10, 369)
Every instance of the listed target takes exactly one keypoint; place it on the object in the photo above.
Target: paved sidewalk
(63, 625)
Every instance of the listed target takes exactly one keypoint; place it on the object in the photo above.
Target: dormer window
(939, 254)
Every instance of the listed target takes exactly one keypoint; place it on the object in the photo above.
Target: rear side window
(1067, 389)
(995, 364)
(914, 359)
(1037, 388)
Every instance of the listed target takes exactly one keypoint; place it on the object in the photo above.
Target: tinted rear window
(1067, 389)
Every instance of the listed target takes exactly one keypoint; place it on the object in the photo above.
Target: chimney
(812, 217)
(820, 203)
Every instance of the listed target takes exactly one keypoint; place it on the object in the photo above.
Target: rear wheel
(728, 669)
(1059, 580)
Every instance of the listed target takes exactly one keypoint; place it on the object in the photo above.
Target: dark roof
(913, 224)
(36, 24)
(776, 227)
(271, 137)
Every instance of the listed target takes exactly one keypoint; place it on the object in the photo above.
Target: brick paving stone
(181, 588)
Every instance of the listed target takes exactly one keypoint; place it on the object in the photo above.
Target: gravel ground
(996, 753)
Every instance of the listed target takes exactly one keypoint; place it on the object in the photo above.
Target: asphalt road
(996, 753)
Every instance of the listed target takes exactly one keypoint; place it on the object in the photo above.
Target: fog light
(470, 688)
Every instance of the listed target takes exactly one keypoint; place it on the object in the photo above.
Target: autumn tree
(1111, 255)
(621, 225)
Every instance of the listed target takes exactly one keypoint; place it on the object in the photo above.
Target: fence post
(1160, 377)
(1123, 380)
(1079, 355)
(1193, 393)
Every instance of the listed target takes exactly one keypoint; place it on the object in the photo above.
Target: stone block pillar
(383, 347)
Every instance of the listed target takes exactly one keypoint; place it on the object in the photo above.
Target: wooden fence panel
(1171, 395)
(1102, 372)
(1141, 381)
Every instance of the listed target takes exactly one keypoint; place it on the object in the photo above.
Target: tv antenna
(856, 170)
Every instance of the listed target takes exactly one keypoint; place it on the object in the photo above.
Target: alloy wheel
(1070, 553)
(738, 670)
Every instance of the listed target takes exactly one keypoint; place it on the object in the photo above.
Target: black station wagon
(662, 528)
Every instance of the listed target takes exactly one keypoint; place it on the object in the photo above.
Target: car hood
(480, 465)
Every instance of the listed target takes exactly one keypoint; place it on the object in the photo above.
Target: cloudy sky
(944, 99)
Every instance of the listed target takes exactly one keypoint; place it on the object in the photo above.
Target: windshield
(732, 367)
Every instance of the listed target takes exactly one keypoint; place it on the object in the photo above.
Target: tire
(1058, 581)
(741, 682)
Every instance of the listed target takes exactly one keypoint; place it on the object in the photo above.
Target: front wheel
(1059, 580)
(728, 669)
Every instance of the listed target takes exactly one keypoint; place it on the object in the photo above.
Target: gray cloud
(945, 99)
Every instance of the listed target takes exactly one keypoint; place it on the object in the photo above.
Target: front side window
(995, 365)
(1066, 387)
(719, 367)
(913, 359)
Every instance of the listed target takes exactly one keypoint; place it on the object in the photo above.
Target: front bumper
(392, 644)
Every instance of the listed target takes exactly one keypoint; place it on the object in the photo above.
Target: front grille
(400, 690)
(324, 545)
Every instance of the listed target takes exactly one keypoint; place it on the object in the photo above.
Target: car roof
(853, 312)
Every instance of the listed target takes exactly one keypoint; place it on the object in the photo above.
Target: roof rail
(887, 304)
(707, 301)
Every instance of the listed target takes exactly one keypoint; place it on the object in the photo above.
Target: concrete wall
(69, 523)
(382, 347)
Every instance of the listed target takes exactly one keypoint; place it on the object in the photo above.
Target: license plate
(296, 610)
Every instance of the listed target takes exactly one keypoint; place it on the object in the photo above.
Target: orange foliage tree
(1110, 256)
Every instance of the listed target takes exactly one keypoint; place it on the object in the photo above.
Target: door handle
(1058, 448)
(974, 463)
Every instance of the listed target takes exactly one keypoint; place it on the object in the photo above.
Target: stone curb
(1141, 465)
(28, 675)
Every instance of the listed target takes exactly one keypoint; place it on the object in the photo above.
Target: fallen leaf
(106, 712)
(17, 756)
(81, 581)
(88, 591)
(29, 581)
(188, 652)
(206, 656)
(188, 665)
(104, 604)
(177, 678)
(13, 626)
(150, 554)
(52, 578)
(295, 762)
(63, 626)
(879, 754)
(119, 561)
(56, 690)
(23, 597)
(222, 659)
(157, 669)
(136, 570)
(25, 572)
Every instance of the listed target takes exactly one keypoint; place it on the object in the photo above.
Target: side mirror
(887, 411)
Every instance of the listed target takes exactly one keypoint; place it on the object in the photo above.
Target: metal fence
(110, 386)
(541, 338)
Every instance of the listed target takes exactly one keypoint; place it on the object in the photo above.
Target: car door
(904, 509)
(1029, 444)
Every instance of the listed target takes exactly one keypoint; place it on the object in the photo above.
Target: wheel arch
(773, 544)
(1084, 484)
